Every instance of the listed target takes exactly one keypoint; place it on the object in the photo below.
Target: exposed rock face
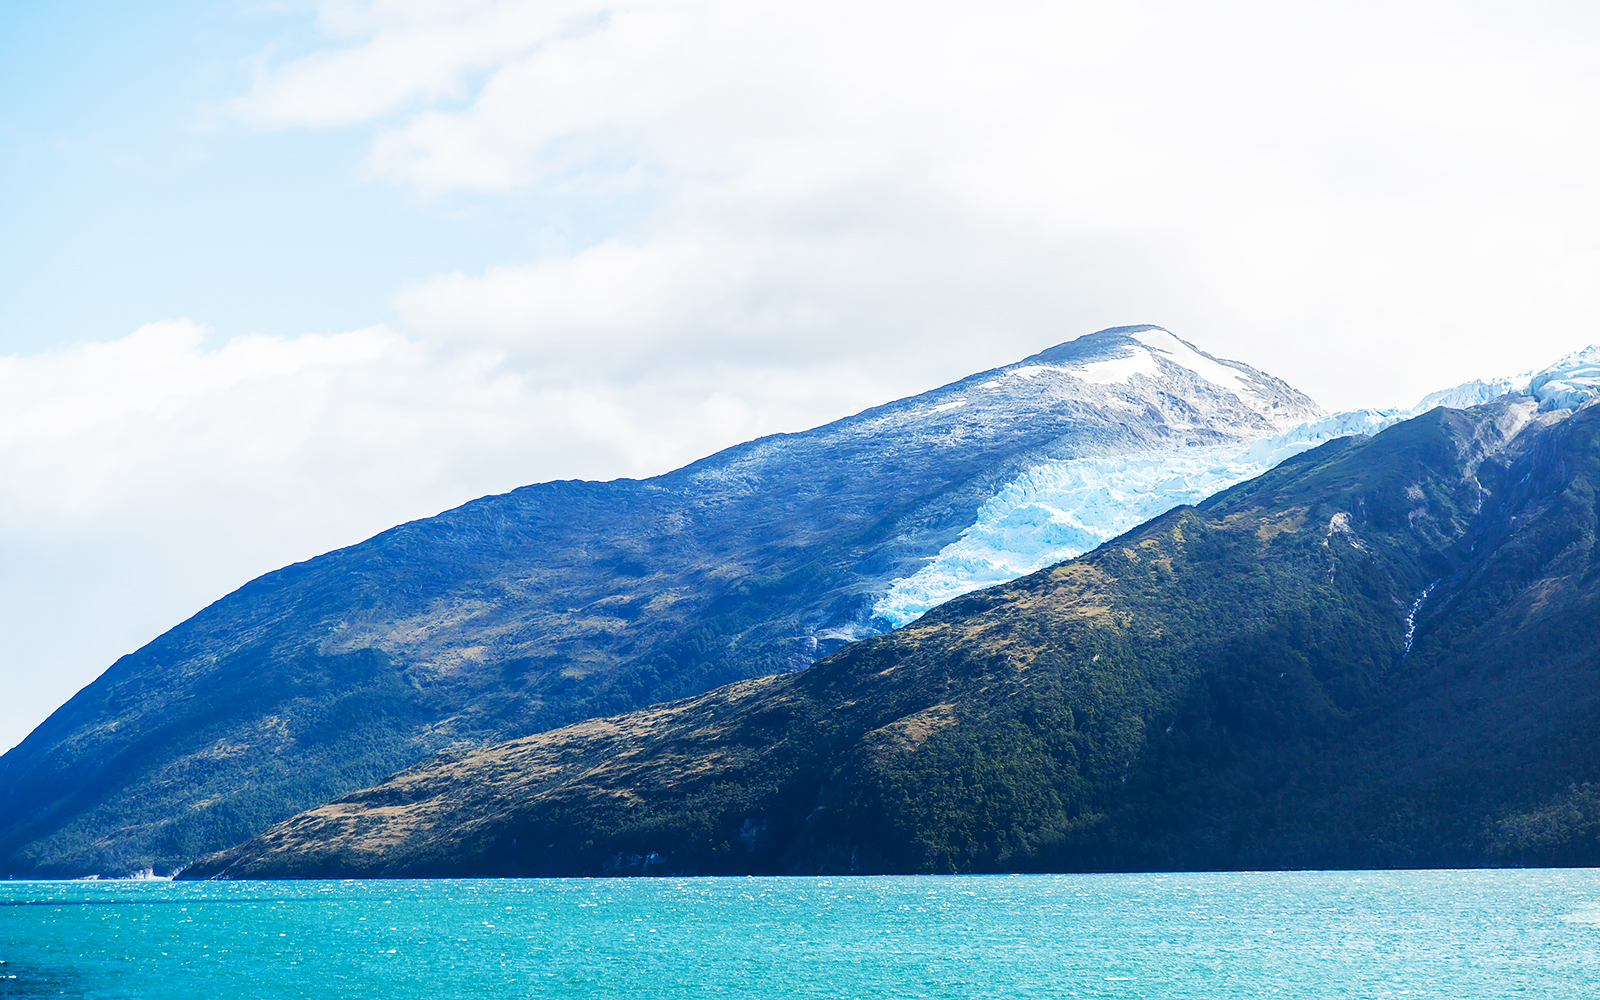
(1385, 652)
(563, 601)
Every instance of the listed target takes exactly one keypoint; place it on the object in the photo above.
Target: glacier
(1063, 508)
(1570, 382)
(1567, 384)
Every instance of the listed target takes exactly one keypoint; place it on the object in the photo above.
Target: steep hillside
(563, 601)
(1382, 653)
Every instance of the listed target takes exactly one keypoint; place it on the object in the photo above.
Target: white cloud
(1275, 180)
(408, 53)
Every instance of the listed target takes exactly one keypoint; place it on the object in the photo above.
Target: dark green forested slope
(1227, 686)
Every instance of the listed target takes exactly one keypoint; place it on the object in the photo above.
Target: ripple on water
(1229, 935)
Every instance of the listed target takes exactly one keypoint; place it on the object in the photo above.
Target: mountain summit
(563, 601)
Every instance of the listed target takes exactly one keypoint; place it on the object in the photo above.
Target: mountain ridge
(562, 601)
(1381, 653)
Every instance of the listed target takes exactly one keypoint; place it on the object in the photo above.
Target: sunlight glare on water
(1449, 934)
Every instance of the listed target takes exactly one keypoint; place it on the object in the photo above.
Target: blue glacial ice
(1061, 509)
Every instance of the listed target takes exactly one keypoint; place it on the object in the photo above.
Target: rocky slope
(1385, 652)
(564, 601)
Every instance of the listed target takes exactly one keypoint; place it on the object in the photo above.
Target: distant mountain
(1566, 383)
(1384, 652)
(562, 601)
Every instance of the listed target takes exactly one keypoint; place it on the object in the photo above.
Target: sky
(275, 276)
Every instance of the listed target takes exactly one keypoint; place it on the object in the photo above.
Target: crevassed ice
(1569, 382)
(1064, 508)
(1059, 510)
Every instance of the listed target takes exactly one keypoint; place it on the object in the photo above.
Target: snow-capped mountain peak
(1151, 356)
(1136, 360)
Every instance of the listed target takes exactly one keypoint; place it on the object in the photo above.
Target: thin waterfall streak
(1411, 618)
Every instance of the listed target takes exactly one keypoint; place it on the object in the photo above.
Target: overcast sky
(277, 275)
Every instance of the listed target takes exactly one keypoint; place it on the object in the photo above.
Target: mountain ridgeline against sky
(564, 601)
(1384, 652)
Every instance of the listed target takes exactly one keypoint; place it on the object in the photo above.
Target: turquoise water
(1298, 934)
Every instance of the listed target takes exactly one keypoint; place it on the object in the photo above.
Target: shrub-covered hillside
(1382, 653)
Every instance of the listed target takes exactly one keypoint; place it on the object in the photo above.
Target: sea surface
(1455, 934)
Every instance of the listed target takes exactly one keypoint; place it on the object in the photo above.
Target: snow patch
(1112, 371)
(949, 406)
(1184, 356)
(1118, 370)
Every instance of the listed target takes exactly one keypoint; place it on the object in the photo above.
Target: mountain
(564, 601)
(1385, 652)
